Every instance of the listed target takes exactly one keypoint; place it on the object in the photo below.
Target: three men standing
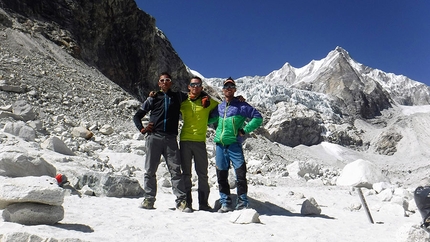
(231, 114)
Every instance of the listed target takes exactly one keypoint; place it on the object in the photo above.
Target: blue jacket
(231, 118)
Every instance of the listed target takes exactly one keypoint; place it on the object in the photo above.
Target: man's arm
(213, 116)
(137, 118)
(254, 123)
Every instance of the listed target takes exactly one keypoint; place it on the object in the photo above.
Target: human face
(164, 82)
(195, 87)
(228, 90)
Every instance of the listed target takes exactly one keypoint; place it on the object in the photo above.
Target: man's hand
(241, 98)
(152, 94)
(206, 101)
(147, 129)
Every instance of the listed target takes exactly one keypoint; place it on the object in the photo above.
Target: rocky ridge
(115, 37)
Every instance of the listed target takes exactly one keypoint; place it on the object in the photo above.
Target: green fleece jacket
(195, 119)
(231, 118)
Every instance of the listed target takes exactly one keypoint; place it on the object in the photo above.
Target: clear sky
(254, 37)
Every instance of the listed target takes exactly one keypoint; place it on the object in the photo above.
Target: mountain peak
(341, 51)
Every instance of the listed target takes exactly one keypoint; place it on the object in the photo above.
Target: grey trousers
(196, 150)
(166, 145)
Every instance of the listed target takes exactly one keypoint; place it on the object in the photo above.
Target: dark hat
(229, 80)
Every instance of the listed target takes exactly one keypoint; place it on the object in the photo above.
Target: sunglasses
(195, 84)
(165, 80)
(229, 87)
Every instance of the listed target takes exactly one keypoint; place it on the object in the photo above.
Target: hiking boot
(426, 224)
(183, 207)
(205, 207)
(242, 202)
(189, 200)
(242, 205)
(225, 208)
(147, 204)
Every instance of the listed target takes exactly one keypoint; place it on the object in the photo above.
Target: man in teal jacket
(231, 115)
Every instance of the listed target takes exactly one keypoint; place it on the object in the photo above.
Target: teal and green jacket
(231, 118)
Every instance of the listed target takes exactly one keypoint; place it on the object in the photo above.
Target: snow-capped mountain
(320, 101)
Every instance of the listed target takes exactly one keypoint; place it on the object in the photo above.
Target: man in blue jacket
(231, 115)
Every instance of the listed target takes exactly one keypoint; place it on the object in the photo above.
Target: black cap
(229, 80)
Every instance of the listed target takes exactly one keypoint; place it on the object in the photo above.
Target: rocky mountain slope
(115, 37)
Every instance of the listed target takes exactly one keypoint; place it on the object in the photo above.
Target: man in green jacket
(193, 141)
(231, 115)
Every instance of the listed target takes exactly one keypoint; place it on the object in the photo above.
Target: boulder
(360, 173)
(6, 114)
(310, 207)
(57, 145)
(110, 185)
(16, 162)
(43, 190)
(21, 130)
(7, 87)
(23, 109)
(82, 132)
(299, 168)
(411, 232)
(33, 213)
(245, 216)
(25, 236)
(294, 124)
(106, 129)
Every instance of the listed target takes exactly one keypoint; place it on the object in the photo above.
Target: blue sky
(245, 38)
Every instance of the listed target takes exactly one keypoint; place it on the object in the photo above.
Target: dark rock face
(387, 143)
(115, 37)
(300, 130)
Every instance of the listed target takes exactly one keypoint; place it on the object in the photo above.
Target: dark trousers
(167, 146)
(195, 150)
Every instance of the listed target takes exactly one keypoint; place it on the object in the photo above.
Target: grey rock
(110, 185)
(20, 236)
(21, 130)
(7, 87)
(245, 216)
(300, 168)
(43, 190)
(28, 237)
(106, 129)
(23, 109)
(6, 114)
(82, 132)
(33, 213)
(57, 145)
(360, 173)
(298, 125)
(310, 207)
(16, 162)
(386, 145)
